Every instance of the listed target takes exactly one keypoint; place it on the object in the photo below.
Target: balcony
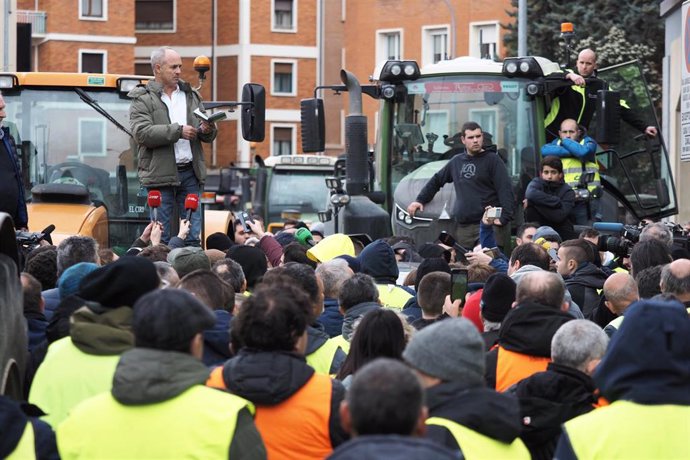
(37, 19)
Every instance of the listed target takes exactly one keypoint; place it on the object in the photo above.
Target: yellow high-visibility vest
(477, 446)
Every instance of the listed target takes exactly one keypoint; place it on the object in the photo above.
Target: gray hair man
(565, 390)
(70, 251)
(675, 280)
(332, 273)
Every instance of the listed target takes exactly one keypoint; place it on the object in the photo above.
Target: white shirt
(177, 110)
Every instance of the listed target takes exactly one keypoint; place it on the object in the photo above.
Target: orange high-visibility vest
(298, 427)
(511, 367)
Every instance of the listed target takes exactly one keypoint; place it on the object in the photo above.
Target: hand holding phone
(494, 213)
(244, 218)
(458, 284)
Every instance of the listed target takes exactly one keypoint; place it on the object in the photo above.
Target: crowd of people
(269, 345)
(260, 346)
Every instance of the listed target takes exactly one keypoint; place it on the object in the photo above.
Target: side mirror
(254, 113)
(313, 125)
(608, 117)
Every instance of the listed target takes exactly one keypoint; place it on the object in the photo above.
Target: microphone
(191, 203)
(154, 201)
(304, 237)
(608, 226)
(45, 233)
(447, 239)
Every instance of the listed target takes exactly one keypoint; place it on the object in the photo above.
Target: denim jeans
(171, 196)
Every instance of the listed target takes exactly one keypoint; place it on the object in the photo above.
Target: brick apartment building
(289, 46)
(425, 31)
(271, 42)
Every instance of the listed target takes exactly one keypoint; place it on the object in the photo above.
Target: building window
(155, 15)
(435, 45)
(92, 61)
(282, 140)
(484, 40)
(92, 137)
(143, 68)
(284, 78)
(487, 119)
(284, 14)
(93, 9)
(388, 45)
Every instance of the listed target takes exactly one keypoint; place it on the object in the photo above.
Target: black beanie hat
(120, 283)
(218, 240)
(252, 260)
(432, 264)
(168, 319)
(498, 297)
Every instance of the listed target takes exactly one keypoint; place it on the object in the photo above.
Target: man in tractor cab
(480, 179)
(579, 100)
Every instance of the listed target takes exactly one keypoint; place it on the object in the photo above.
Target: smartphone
(492, 252)
(458, 283)
(244, 218)
(494, 213)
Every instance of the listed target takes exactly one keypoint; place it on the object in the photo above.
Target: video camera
(581, 190)
(28, 241)
(618, 246)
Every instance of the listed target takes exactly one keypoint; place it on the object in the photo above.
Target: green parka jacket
(155, 135)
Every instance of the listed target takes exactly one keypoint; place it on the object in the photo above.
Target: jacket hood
(648, 359)
(588, 275)
(266, 378)
(353, 314)
(12, 425)
(217, 340)
(155, 87)
(104, 334)
(316, 337)
(483, 410)
(393, 447)
(331, 247)
(529, 328)
(378, 261)
(146, 376)
(549, 399)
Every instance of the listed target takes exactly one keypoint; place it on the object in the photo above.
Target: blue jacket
(217, 340)
(13, 422)
(553, 200)
(378, 261)
(331, 319)
(654, 336)
(392, 446)
(487, 240)
(21, 216)
(412, 310)
(584, 150)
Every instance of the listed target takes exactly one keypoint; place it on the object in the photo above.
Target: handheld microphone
(447, 239)
(191, 203)
(304, 237)
(154, 201)
(608, 226)
(45, 233)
